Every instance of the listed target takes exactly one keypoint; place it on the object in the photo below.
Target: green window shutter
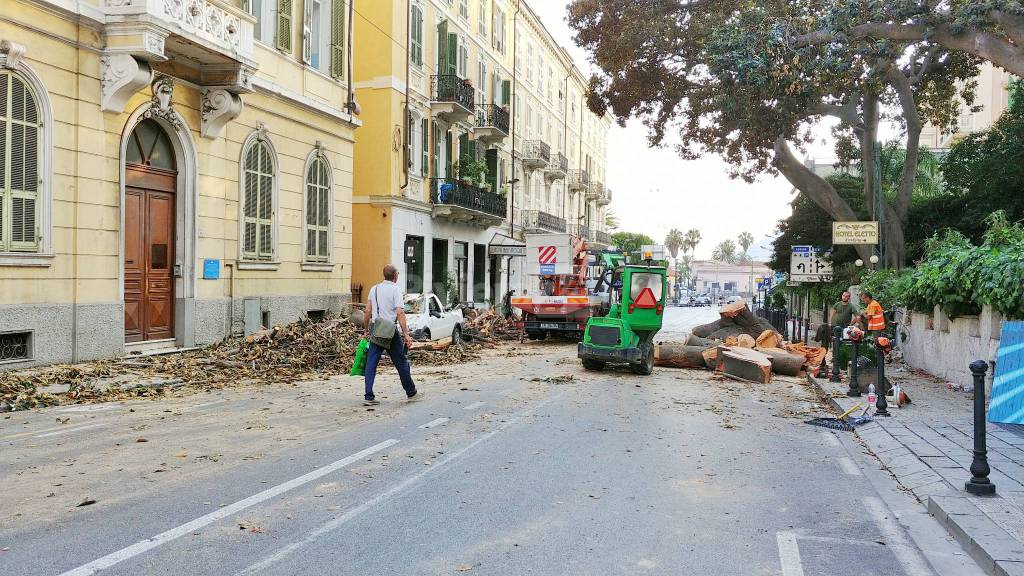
(425, 142)
(449, 146)
(416, 47)
(442, 47)
(284, 26)
(338, 31)
(19, 165)
(492, 168)
(437, 150)
(318, 210)
(250, 199)
(452, 68)
(506, 92)
(465, 153)
(258, 203)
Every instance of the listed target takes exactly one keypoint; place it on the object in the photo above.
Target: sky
(654, 190)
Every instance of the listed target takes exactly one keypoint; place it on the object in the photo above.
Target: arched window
(259, 171)
(318, 209)
(21, 150)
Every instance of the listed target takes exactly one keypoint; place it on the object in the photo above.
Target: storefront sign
(855, 232)
(503, 250)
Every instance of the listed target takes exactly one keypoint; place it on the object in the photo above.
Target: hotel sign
(855, 233)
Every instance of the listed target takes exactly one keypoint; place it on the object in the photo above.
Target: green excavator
(626, 334)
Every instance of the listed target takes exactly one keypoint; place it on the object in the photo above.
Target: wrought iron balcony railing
(536, 152)
(558, 166)
(492, 116)
(596, 190)
(578, 179)
(449, 191)
(603, 237)
(579, 230)
(451, 88)
(537, 220)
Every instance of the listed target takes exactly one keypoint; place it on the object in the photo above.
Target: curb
(989, 545)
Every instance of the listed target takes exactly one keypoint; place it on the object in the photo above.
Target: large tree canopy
(731, 77)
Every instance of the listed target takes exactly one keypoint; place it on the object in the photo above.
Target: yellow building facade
(476, 134)
(173, 171)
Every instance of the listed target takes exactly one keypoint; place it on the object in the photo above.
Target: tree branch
(899, 81)
(1012, 24)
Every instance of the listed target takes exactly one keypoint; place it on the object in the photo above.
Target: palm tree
(929, 176)
(674, 241)
(745, 240)
(692, 239)
(725, 252)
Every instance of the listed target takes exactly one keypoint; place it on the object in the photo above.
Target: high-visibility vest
(876, 317)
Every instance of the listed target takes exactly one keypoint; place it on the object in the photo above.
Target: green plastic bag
(359, 365)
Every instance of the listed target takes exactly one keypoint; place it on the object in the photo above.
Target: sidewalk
(927, 445)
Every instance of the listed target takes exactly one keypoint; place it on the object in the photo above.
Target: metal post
(881, 405)
(979, 484)
(854, 391)
(837, 341)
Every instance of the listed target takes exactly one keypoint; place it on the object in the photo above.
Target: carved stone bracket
(12, 53)
(121, 76)
(219, 107)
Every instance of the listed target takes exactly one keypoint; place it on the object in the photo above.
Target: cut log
(813, 354)
(783, 362)
(676, 356)
(436, 345)
(731, 341)
(694, 340)
(769, 339)
(734, 309)
(745, 341)
(710, 358)
(705, 330)
(747, 365)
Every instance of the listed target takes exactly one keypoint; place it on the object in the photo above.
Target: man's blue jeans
(398, 358)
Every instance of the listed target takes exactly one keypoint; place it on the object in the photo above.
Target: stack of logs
(739, 345)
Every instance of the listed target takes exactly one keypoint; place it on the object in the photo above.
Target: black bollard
(807, 330)
(837, 341)
(979, 484)
(854, 391)
(881, 405)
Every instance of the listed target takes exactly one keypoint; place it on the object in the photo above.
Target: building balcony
(465, 203)
(578, 180)
(536, 154)
(214, 37)
(580, 231)
(491, 124)
(606, 198)
(452, 98)
(539, 222)
(602, 239)
(595, 191)
(557, 168)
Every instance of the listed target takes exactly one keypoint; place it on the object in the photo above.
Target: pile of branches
(490, 327)
(303, 350)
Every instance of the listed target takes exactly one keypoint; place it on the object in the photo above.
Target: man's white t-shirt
(385, 300)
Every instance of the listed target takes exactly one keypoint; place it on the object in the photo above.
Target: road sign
(780, 277)
(855, 233)
(808, 264)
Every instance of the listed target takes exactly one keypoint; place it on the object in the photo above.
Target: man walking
(385, 312)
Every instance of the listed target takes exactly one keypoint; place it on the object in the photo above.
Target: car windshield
(414, 306)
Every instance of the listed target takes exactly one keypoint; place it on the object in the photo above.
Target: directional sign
(808, 264)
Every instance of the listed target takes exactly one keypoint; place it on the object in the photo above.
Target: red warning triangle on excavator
(646, 299)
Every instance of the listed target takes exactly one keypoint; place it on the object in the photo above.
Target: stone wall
(945, 347)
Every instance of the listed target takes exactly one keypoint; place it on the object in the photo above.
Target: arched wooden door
(149, 234)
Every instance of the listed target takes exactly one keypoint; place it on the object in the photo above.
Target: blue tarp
(1007, 402)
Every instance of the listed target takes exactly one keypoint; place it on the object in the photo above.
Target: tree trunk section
(676, 356)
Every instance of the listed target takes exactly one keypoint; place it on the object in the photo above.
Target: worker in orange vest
(873, 314)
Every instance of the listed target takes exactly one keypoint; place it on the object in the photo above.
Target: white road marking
(905, 552)
(849, 467)
(830, 439)
(174, 533)
(473, 406)
(384, 496)
(205, 404)
(70, 430)
(91, 408)
(433, 423)
(789, 554)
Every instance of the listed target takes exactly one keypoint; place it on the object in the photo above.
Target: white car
(429, 321)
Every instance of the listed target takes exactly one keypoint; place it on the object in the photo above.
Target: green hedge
(959, 276)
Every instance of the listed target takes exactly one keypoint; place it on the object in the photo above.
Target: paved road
(508, 468)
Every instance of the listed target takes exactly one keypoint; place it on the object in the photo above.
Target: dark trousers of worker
(398, 358)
